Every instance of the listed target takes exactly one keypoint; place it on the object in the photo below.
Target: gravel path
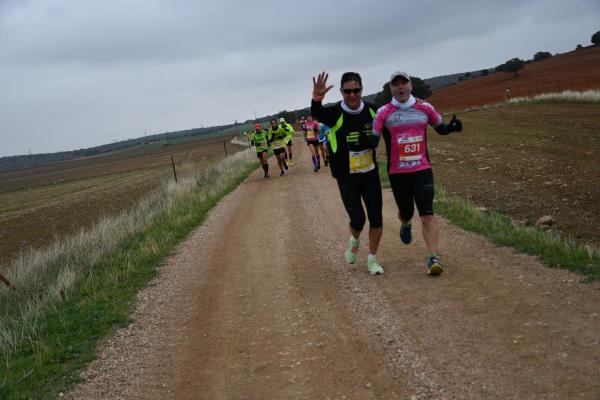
(258, 303)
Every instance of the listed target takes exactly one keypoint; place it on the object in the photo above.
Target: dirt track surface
(259, 303)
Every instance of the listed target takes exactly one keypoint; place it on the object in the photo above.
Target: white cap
(400, 73)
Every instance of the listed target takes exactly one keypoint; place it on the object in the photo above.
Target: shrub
(541, 55)
(512, 66)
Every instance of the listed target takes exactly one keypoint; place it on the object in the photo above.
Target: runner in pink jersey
(403, 124)
(312, 140)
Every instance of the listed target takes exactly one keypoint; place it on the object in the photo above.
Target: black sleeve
(325, 115)
(443, 129)
(455, 125)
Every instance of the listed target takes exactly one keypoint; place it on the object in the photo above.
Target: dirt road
(259, 304)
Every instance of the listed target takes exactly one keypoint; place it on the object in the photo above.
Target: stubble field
(38, 205)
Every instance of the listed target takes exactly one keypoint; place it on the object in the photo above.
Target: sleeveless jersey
(312, 131)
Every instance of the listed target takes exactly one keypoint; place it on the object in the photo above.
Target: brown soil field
(576, 70)
(38, 205)
(526, 161)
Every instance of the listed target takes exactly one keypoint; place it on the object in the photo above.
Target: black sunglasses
(355, 91)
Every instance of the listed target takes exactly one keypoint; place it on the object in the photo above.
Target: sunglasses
(355, 91)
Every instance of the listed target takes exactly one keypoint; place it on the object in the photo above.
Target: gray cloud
(76, 74)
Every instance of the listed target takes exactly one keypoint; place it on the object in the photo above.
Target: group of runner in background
(279, 137)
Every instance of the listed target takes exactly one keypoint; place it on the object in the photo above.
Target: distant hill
(441, 81)
(447, 80)
(12, 163)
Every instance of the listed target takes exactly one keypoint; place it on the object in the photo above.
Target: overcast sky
(81, 73)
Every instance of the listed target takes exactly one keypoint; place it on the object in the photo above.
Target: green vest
(338, 125)
(259, 138)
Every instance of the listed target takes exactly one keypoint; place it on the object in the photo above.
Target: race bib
(277, 144)
(261, 144)
(361, 161)
(310, 134)
(410, 148)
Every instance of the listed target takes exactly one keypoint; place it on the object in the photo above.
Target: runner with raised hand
(403, 124)
(258, 138)
(352, 160)
(277, 137)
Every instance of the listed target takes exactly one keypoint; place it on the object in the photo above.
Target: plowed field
(576, 70)
(38, 205)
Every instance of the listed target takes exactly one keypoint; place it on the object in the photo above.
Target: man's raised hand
(320, 86)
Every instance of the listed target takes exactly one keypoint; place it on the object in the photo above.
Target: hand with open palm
(320, 86)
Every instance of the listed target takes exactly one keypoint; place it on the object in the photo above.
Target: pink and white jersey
(312, 131)
(406, 124)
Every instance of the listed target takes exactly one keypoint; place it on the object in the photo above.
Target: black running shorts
(413, 188)
(365, 186)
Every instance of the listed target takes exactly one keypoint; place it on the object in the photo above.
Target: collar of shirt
(408, 104)
(350, 111)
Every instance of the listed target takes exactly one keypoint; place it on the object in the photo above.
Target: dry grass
(567, 96)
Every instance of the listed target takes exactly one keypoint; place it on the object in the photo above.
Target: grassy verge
(567, 96)
(83, 288)
(550, 247)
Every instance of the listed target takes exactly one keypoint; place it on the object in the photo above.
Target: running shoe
(291, 163)
(316, 169)
(351, 253)
(318, 166)
(281, 173)
(326, 163)
(267, 175)
(374, 267)
(405, 233)
(434, 267)
(285, 166)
